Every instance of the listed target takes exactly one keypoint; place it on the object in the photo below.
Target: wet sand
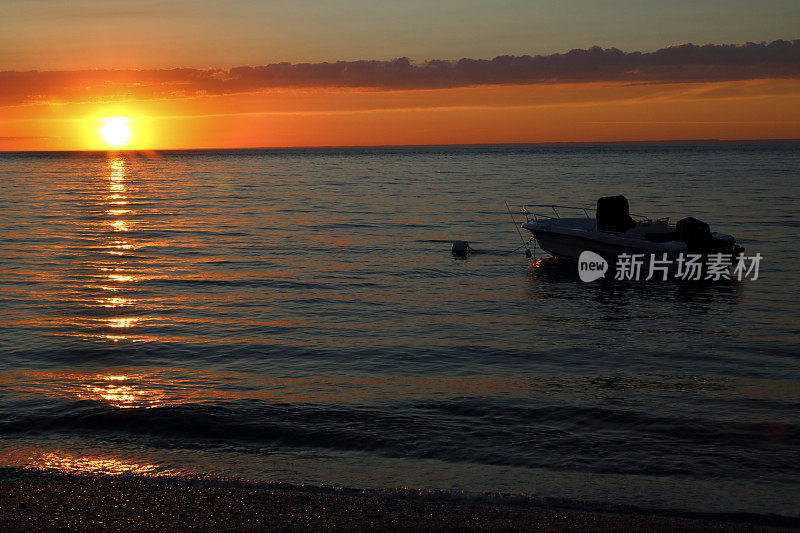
(34, 502)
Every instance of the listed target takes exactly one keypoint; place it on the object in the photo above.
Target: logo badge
(591, 266)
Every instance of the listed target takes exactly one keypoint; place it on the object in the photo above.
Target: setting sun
(116, 131)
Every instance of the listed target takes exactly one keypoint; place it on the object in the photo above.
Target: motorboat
(611, 230)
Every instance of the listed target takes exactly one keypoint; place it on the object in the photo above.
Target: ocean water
(296, 316)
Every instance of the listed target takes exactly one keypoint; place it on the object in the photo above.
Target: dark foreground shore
(33, 502)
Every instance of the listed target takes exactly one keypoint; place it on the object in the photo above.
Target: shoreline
(47, 501)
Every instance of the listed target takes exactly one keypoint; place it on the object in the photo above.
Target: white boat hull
(567, 241)
(570, 248)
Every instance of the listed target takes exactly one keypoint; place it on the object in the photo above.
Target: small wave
(557, 438)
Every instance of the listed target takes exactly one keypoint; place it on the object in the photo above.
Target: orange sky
(209, 74)
(572, 112)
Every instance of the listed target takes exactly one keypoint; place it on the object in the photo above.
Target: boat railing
(536, 216)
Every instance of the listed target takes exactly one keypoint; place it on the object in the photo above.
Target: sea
(296, 316)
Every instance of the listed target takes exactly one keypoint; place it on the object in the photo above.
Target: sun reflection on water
(110, 289)
(115, 302)
(120, 225)
(116, 271)
(64, 462)
(117, 168)
(122, 322)
(119, 247)
(125, 392)
(117, 199)
(120, 278)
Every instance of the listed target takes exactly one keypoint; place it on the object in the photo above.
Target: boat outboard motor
(695, 233)
(613, 214)
(699, 239)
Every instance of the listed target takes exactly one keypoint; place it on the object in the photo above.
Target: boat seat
(613, 214)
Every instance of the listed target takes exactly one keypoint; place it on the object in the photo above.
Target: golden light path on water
(121, 391)
(117, 273)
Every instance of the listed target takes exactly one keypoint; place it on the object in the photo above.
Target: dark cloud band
(684, 63)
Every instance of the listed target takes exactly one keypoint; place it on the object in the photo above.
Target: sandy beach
(39, 502)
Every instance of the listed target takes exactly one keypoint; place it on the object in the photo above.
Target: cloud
(682, 63)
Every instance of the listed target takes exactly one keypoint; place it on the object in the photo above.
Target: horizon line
(442, 145)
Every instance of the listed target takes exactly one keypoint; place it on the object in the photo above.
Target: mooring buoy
(461, 248)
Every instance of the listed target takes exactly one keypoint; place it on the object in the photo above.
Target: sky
(196, 74)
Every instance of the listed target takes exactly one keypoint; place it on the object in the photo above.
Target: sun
(116, 131)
